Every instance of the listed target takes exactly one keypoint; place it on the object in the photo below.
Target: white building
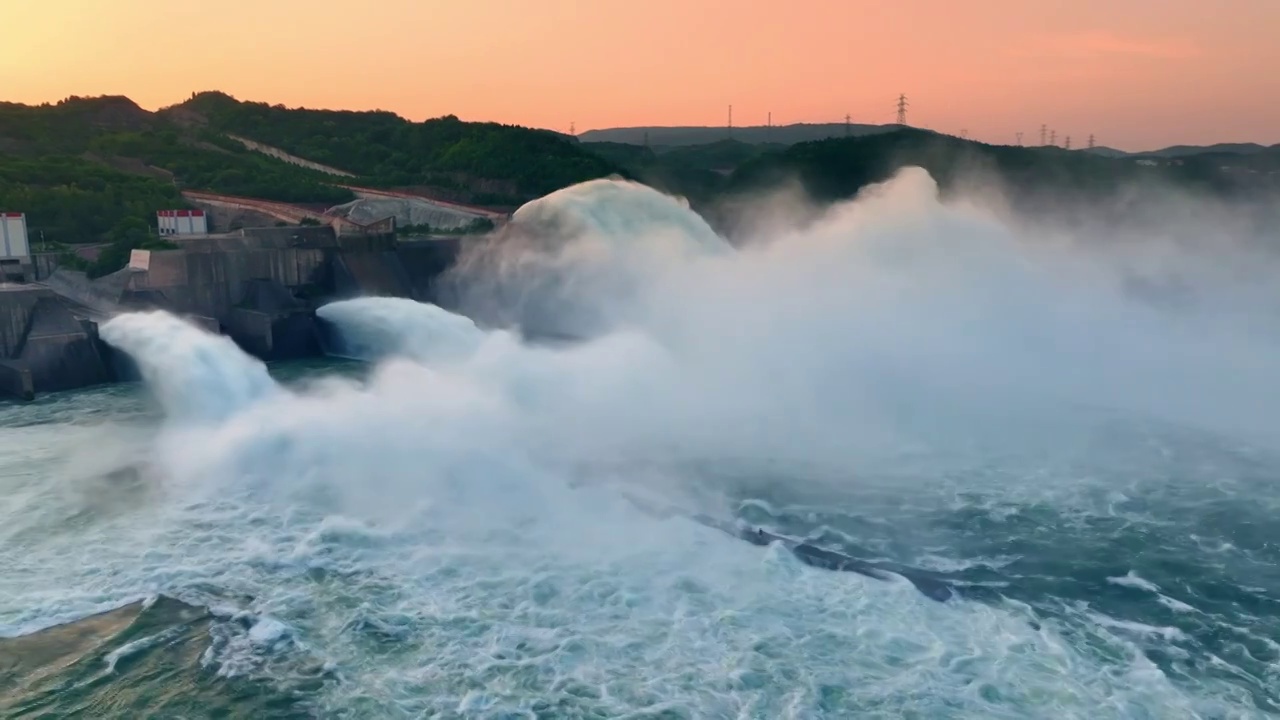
(15, 249)
(13, 237)
(182, 222)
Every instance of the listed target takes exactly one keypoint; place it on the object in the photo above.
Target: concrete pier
(44, 345)
(260, 287)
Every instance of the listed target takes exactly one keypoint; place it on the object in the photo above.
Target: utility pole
(1091, 145)
(902, 109)
(1019, 139)
(1068, 145)
(1044, 129)
(1053, 137)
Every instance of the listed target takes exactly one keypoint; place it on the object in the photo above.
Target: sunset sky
(1139, 74)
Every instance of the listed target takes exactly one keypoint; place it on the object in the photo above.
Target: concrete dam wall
(260, 287)
(45, 346)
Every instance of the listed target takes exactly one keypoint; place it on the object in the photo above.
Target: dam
(258, 286)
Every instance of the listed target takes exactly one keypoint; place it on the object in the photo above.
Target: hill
(1043, 177)
(478, 163)
(88, 170)
(666, 137)
(697, 172)
(1103, 151)
(1177, 151)
(115, 132)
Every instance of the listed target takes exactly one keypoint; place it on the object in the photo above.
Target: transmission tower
(1068, 143)
(730, 121)
(964, 134)
(1091, 144)
(847, 129)
(1044, 129)
(1019, 139)
(1053, 137)
(902, 109)
(571, 128)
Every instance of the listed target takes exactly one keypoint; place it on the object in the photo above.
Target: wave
(466, 497)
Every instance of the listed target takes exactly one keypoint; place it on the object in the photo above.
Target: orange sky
(1138, 73)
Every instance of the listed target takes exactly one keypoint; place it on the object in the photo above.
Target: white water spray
(460, 501)
(196, 376)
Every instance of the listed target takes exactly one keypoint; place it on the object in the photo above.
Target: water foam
(429, 530)
(195, 375)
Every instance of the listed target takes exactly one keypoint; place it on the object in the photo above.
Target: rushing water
(446, 531)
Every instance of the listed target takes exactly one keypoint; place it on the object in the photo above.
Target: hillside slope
(115, 132)
(836, 169)
(664, 137)
(478, 163)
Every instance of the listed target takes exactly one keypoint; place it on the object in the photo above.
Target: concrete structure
(182, 222)
(496, 217)
(15, 248)
(280, 211)
(259, 286)
(45, 345)
(408, 212)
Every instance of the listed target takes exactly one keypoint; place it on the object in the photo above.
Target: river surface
(1105, 569)
(1077, 435)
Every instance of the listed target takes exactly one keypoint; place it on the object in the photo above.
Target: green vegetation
(206, 166)
(72, 200)
(129, 235)
(837, 169)
(80, 167)
(97, 169)
(481, 163)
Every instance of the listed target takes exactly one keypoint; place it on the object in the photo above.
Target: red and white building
(182, 222)
(15, 249)
(13, 237)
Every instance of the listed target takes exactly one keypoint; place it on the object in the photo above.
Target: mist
(896, 295)
(904, 367)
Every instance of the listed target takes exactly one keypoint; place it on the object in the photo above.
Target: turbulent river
(459, 524)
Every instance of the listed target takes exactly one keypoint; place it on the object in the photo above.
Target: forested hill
(83, 167)
(481, 163)
(116, 133)
(838, 168)
(89, 170)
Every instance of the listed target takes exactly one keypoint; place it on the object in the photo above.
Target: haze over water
(1076, 429)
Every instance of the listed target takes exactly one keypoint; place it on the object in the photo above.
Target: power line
(902, 109)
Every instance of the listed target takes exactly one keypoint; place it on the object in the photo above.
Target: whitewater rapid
(449, 532)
